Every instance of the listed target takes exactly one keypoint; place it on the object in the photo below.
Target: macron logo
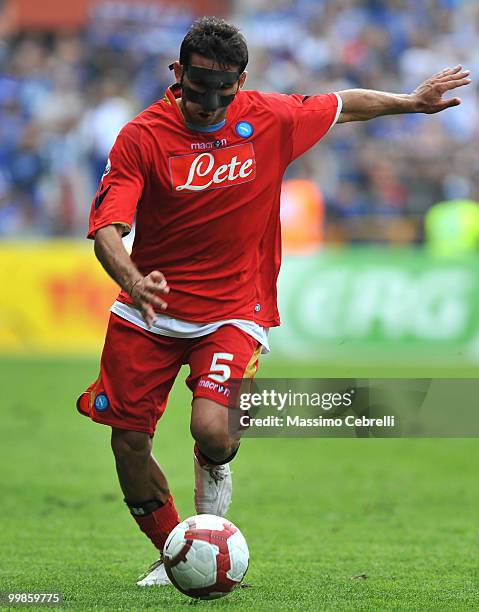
(203, 146)
(212, 170)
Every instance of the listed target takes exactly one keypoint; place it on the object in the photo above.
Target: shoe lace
(216, 472)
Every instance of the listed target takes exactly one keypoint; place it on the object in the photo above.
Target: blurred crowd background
(66, 92)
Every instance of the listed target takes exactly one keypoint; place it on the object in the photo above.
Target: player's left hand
(428, 97)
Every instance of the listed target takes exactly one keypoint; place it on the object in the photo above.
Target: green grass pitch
(331, 524)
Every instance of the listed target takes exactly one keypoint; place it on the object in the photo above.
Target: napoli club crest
(244, 129)
(101, 402)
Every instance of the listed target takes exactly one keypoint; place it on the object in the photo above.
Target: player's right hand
(144, 293)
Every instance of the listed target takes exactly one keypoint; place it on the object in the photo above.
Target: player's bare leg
(139, 474)
(147, 494)
(158, 479)
(214, 449)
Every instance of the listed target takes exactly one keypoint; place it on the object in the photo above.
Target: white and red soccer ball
(206, 556)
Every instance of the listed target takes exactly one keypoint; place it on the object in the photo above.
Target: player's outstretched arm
(143, 290)
(364, 104)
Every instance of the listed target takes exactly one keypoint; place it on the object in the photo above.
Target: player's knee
(214, 441)
(209, 426)
(126, 444)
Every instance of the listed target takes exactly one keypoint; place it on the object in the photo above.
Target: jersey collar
(206, 129)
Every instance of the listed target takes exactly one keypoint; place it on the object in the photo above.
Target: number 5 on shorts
(220, 367)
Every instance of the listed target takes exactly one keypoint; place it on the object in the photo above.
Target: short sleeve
(313, 117)
(121, 186)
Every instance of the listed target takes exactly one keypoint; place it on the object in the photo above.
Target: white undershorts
(176, 328)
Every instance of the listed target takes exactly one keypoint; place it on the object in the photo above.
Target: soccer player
(201, 169)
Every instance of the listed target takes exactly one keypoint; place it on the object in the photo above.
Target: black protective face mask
(211, 81)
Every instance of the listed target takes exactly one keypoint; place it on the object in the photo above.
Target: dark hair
(215, 39)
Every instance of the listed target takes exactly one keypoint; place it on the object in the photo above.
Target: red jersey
(207, 203)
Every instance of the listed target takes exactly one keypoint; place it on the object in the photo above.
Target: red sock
(199, 455)
(160, 523)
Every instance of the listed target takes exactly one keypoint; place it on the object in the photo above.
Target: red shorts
(138, 369)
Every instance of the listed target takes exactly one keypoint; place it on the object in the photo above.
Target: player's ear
(242, 79)
(178, 70)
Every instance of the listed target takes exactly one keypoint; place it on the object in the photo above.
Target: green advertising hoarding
(387, 304)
